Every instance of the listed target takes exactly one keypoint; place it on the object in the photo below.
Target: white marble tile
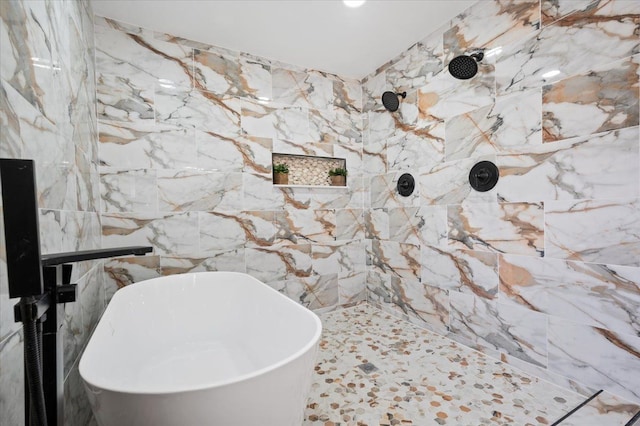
(601, 231)
(219, 153)
(605, 408)
(602, 100)
(516, 228)
(199, 191)
(448, 183)
(396, 259)
(128, 190)
(516, 331)
(279, 262)
(512, 121)
(606, 296)
(309, 90)
(231, 260)
(198, 109)
(573, 45)
(597, 357)
(172, 234)
(418, 65)
(350, 224)
(602, 166)
(351, 288)
(465, 271)
(12, 380)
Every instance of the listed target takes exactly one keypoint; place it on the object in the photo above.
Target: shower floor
(376, 369)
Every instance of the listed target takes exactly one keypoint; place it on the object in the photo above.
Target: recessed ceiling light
(353, 3)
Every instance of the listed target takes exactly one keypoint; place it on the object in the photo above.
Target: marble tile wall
(48, 114)
(186, 137)
(543, 271)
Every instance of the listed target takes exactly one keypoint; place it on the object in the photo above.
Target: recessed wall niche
(307, 170)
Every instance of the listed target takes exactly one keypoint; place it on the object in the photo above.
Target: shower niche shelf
(308, 171)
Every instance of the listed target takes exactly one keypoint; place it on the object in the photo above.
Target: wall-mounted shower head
(464, 67)
(390, 100)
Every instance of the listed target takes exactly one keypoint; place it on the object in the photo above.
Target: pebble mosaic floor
(376, 369)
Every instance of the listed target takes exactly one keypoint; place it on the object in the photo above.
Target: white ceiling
(320, 34)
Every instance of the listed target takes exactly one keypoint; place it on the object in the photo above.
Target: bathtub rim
(241, 378)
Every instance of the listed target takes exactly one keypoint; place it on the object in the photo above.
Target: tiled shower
(542, 272)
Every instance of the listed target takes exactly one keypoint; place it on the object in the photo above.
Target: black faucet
(41, 282)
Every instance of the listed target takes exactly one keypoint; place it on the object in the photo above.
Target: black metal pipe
(33, 362)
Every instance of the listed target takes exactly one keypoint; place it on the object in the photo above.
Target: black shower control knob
(406, 185)
(484, 176)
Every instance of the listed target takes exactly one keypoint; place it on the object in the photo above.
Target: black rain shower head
(390, 100)
(464, 67)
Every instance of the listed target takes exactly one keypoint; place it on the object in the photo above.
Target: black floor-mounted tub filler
(41, 283)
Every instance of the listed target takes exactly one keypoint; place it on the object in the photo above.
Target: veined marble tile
(602, 166)
(372, 90)
(297, 226)
(350, 224)
(91, 298)
(309, 90)
(141, 59)
(302, 148)
(376, 224)
(352, 288)
(347, 95)
(12, 380)
(444, 96)
(353, 156)
(602, 100)
(199, 191)
(255, 76)
(606, 296)
(128, 190)
(315, 292)
(575, 44)
(101, 21)
(169, 234)
(26, 123)
(292, 124)
(605, 408)
(491, 24)
(202, 110)
(279, 262)
(601, 231)
(74, 335)
(384, 193)
(409, 146)
(232, 260)
(420, 63)
(335, 125)
(218, 152)
(418, 225)
(258, 118)
(224, 230)
(327, 259)
(256, 154)
(217, 71)
(421, 304)
(260, 194)
(448, 183)
(596, 357)
(511, 122)
(552, 10)
(396, 259)
(123, 271)
(464, 271)
(516, 228)
(77, 407)
(56, 186)
(516, 331)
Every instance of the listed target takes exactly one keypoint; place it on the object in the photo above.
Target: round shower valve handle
(484, 176)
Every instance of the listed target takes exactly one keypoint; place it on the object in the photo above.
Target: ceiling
(319, 34)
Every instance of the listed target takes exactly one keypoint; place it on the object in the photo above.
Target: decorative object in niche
(308, 170)
(406, 185)
(338, 176)
(280, 174)
(484, 176)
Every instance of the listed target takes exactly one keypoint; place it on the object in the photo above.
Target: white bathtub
(212, 348)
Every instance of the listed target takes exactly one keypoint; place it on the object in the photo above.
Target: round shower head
(390, 100)
(464, 67)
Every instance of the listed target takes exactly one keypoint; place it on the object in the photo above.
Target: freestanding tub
(211, 348)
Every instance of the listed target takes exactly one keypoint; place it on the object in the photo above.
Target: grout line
(585, 402)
